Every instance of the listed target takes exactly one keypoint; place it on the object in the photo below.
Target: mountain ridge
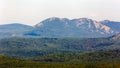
(14, 29)
(55, 27)
(81, 27)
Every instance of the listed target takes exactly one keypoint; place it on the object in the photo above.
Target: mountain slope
(55, 27)
(15, 29)
(116, 37)
(62, 27)
(115, 26)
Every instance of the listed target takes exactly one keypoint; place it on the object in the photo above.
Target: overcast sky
(32, 12)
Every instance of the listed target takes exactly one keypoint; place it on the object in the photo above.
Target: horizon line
(59, 18)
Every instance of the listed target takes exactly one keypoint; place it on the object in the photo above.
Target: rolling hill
(32, 47)
(13, 30)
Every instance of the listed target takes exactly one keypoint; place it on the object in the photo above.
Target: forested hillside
(105, 59)
(32, 47)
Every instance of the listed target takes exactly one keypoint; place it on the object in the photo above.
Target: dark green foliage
(32, 47)
(103, 56)
(76, 60)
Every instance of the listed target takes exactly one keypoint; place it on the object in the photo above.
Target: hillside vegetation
(106, 59)
(32, 47)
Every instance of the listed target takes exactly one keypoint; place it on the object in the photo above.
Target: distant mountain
(55, 27)
(15, 29)
(82, 27)
(116, 37)
(115, 26)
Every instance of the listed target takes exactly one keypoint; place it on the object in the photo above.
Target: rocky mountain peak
(116, 37)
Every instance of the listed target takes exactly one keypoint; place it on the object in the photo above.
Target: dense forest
(104, 59)
(32, 47)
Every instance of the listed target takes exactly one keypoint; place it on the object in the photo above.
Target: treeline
(106, 59)
(103, 56)
(32, 47)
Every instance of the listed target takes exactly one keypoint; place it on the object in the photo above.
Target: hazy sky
(32, 12)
